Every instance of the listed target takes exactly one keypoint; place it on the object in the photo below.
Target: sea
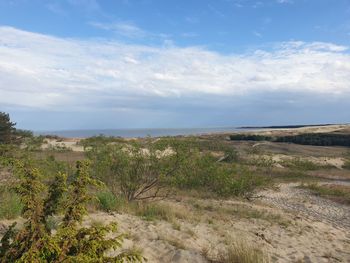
(139, 133)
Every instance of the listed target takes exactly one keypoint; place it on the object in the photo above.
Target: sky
(104, 64)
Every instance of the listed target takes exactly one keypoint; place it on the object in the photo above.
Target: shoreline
(185, 132)
(72, 136)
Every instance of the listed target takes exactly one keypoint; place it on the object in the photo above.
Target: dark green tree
(7, 129)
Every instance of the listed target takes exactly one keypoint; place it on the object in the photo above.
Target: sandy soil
(294, 226)
(336, 162)
(288, 223)
(70, 143)
(309, 129)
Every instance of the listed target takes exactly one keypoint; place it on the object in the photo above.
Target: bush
(71, 243)
(99, 140)
(10, 204)
(196, 171)
(107, 201)
(138, 170)
(148, 169)
(235, 181)
(202, 171)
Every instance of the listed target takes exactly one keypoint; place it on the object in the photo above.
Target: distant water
(129, 133)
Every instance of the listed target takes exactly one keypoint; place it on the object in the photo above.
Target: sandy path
(303, 203)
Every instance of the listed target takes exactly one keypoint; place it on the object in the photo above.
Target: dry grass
(238, 211)
(238, 252)
(173, 241)
(159, 211)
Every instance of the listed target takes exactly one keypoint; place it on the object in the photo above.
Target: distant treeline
(285, 126)
(318, 139)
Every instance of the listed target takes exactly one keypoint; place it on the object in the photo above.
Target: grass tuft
(10, 205)
(241, 252)
(154, 211)
(107, 201)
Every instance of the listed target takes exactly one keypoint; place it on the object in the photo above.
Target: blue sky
(80, 64)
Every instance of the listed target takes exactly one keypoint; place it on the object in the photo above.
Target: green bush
(138, 170)
(230, 153)
(10, 205)
(99, 140)
(107, 201)
(235, 181)
(202, 171)
(149, 168)
(35, 242)
(196, 171)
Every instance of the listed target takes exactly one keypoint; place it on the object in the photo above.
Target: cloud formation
(46, 72)
(285, 1)
(123, 28)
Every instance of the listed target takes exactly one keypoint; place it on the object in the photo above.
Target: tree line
(317, 139)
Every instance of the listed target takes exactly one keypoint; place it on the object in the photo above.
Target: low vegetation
(202, 172)
(96, 141)
(151, 168)
(10, 204)
(301, 164)
(138, 170)
(209, 177)
(107, 201)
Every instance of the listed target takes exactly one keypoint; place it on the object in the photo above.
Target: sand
(296, 227)
(69, 143)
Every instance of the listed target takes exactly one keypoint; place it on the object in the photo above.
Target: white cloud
(189, 34)
(56, 8)
(48, 72)
(285, 1)
(257, 34)
(123, 28)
